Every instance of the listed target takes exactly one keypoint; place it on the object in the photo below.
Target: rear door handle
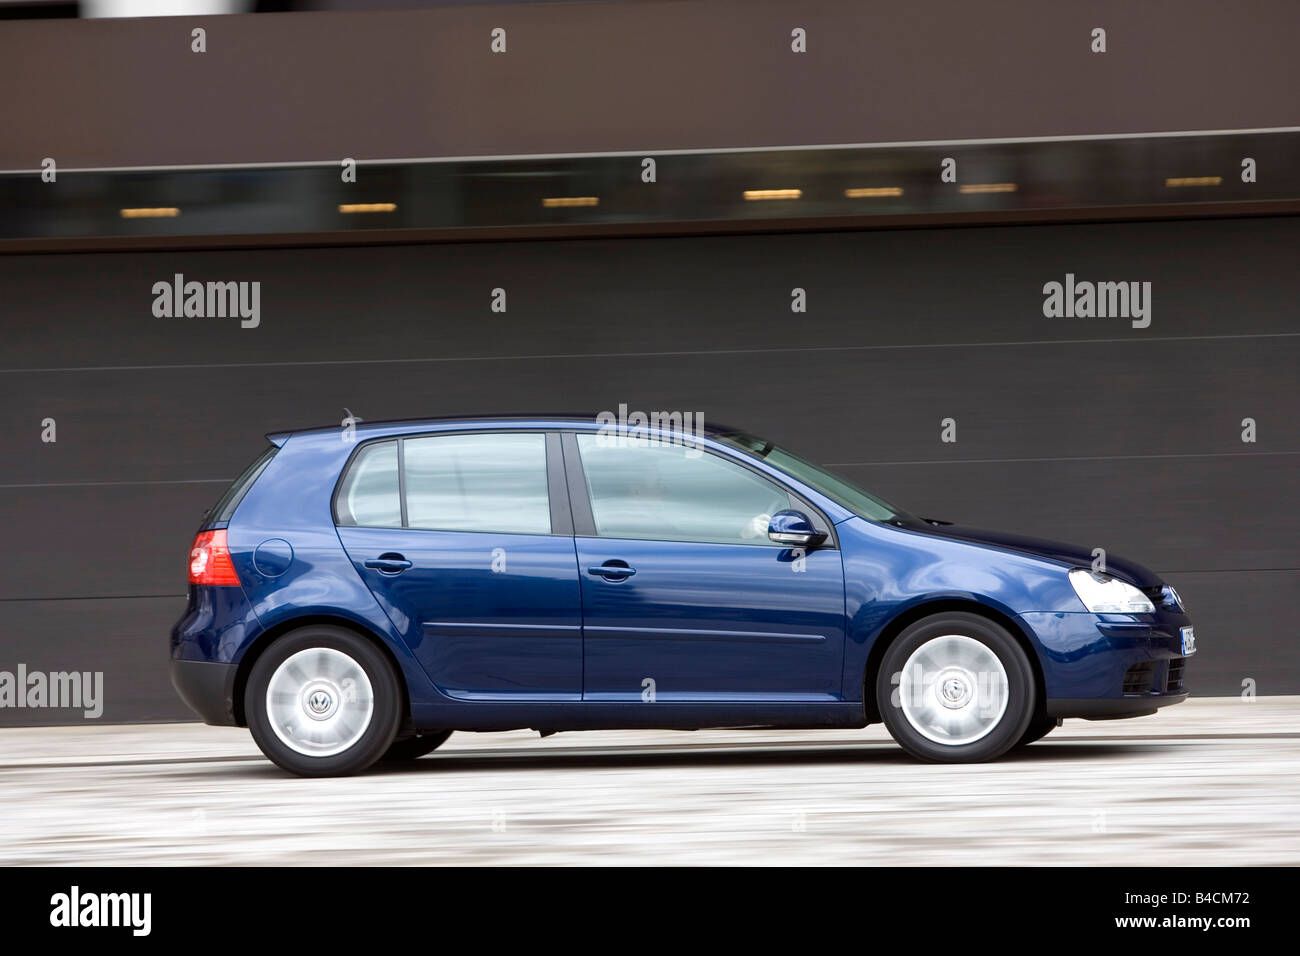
(612, 572)
(390, 563)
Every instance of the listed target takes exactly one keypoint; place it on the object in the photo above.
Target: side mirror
(794, 530)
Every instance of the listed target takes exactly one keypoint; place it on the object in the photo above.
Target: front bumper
(207, 689)
(1106, 666)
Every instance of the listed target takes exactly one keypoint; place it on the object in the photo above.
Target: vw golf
(358, 595)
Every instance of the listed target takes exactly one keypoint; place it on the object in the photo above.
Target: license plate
(1189, 641)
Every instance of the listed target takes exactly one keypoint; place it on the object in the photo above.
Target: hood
(1122, 568)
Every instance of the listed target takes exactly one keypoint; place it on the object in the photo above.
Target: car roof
(504, 420)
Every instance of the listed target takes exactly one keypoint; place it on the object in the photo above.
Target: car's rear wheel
(413, 748)
(956, 688)
(323, 701)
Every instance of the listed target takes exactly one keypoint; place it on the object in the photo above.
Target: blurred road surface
(1211, 781)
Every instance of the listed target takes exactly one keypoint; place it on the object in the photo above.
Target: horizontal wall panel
(124, 641)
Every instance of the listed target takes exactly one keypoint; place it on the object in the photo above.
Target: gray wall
(1082, 429)
(653, 75)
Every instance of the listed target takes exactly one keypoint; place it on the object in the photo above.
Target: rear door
(466, 541)
(684, 597)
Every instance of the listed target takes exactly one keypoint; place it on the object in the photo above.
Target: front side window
(663, 491)
(482, 482)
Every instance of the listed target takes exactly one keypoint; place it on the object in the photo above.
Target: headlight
(1103, 594)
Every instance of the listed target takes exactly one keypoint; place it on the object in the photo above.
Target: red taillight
(210, 560)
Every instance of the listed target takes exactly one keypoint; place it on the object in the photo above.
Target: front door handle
(390, 563)
(612, 572)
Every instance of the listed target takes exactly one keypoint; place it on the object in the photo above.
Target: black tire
(413, 748)
(1038, 728)
(1002, 733)
(379, 730)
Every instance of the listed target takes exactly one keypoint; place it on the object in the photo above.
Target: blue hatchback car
(360, 594)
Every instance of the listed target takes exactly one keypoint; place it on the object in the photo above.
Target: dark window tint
(484, 482)
(368, 497)
(235, 493)
(663, 491)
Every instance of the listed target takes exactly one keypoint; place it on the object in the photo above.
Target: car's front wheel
(323, 701)
(956, 688)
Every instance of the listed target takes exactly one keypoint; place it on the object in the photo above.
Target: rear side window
(224, 508)
(478, 483)
(369, 495)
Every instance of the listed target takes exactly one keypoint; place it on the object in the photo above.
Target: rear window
(235, 493)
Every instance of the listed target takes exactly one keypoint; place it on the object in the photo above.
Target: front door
(684, 597)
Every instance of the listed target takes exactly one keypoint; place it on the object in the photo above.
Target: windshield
(844, 493)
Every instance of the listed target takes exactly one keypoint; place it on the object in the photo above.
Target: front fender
(890, 572)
